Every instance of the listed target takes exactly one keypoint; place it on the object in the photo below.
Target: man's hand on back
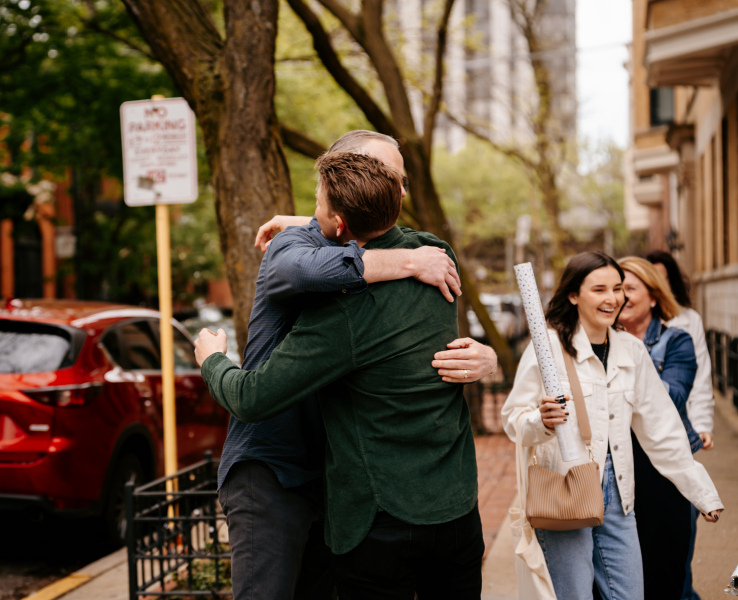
(278, 223)
(208, 343)
(466, 361)
(433, 266)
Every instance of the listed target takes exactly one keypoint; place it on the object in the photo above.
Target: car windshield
(33, 347)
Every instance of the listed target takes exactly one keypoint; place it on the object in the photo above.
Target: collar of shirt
(617, 355)
(314, 229)
(653, 333)
(387, 240)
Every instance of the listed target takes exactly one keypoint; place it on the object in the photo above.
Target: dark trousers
(397, 560)
(664, 520)
(689, 592)
(276, 536)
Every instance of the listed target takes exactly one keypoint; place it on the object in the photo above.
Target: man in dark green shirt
(401, 477)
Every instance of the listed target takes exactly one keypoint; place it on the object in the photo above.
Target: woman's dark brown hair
(561, 314)
(678, 281)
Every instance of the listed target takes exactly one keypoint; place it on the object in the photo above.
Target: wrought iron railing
(177, 536)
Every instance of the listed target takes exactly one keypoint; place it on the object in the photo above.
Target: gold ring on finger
(466, 373)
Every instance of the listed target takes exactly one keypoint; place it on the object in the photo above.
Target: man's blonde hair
(666, 305)
(356, 141)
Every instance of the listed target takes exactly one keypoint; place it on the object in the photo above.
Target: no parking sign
(159, 152)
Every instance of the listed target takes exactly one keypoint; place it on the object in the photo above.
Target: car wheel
(128, 469)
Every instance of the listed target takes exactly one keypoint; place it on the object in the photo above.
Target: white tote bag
(534, 580)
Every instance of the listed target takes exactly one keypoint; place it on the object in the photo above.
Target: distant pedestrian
(622, 390)
(701, 402)
(664, 514)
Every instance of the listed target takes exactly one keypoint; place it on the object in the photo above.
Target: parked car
(212, 318)
(81, 408)
(507, 313)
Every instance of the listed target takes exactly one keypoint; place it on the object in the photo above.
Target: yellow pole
(167, 341)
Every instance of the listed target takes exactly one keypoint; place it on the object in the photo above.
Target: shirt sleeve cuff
(534, 431)
(355, 258)
(212, 364)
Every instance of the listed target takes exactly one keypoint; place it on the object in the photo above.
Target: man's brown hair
(363, 190)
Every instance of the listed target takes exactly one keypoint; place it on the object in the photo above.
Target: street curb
(78, 578)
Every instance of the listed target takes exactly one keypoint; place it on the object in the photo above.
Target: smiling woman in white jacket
(627, 394)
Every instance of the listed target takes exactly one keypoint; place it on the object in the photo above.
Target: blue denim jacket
(672, 353)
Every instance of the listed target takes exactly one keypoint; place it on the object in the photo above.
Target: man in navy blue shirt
(270, 476)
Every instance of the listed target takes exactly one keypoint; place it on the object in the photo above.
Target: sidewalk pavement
(716, 552)
(716, 549)
(105, 579)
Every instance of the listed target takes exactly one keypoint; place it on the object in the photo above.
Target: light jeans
(608, 554)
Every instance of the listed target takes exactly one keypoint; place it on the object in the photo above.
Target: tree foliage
(66, 68)
(483, 191)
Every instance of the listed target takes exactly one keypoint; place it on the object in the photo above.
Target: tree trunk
(230, 86)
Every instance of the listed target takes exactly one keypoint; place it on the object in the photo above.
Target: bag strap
(576, 391)
(521, 464)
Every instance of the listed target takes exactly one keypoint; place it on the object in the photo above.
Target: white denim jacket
(629, 395)
(701, 402)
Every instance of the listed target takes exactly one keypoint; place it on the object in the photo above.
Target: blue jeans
(608, 554)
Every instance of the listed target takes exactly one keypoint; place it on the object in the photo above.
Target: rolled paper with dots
(544, 353)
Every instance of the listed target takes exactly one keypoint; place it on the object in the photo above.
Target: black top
(599, 350)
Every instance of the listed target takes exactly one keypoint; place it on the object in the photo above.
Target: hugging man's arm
(297, 265)
(314, 354)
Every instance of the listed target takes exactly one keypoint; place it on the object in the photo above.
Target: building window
(662, 106)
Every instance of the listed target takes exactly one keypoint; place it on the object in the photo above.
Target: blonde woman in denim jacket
(627, 394)
(664, 515)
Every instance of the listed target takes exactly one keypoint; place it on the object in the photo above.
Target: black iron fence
(724, 357)
(485, 400)
(177, 536)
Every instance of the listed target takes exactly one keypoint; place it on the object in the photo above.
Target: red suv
(80, 406)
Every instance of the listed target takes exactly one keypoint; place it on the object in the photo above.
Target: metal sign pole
(166, 337)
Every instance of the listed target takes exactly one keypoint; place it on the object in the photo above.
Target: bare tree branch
(329, 58)
(348, 19)
(510, 151)
(435, 100)
(93, 22)
(300, 143)
(95, 25)
(386, 66)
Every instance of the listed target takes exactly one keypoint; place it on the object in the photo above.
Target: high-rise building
(489, 77)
